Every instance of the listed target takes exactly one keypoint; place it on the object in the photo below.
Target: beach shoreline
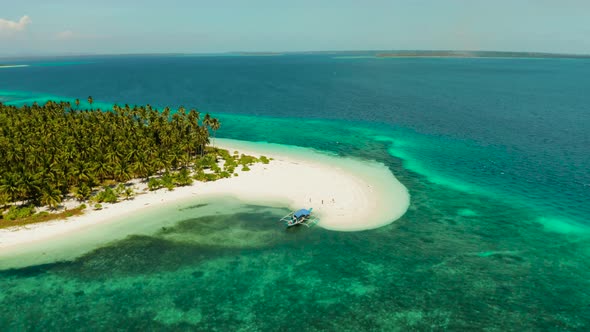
(346, 194)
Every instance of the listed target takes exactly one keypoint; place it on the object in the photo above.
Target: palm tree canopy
(46, 151)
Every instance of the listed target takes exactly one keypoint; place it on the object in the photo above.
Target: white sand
(13, 66)
(346, 194)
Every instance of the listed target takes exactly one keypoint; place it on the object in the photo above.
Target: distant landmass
(476, 54)
(260, 53)
(449, 54)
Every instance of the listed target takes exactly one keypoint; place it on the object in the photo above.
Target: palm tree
(83, 192)
(11, 187)
(77, 103)
(50, 196)
(90, 101)
(206, 124)
(215, 124)
(121, 172)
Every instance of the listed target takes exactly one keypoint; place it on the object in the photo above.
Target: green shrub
(236, 174)
(245, 168)
(224, 175)
(168, 181)
(82, 206)
(208, 161)
(211, 177)
(128, 193)
(16, 212)
(183, 178)
(98, 206)
(154, 184)
(107, 195)
(3, 200)
(247, 160)
(120, 189)
(224, 154)
(82, 192)
(200, 176)
(264, 159)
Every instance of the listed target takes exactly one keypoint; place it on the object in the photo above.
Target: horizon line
(42, 55)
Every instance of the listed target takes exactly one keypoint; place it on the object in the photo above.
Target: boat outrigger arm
(300, 217)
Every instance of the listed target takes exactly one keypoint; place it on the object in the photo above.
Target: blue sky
(108, 26)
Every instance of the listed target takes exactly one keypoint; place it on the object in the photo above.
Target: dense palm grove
(49, 151)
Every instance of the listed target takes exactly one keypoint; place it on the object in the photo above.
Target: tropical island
(54, 152)
(65, 169)
(456, 54)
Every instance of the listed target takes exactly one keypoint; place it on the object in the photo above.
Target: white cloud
(14, 26)
(65, 35)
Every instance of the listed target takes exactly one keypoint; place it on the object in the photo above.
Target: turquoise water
(493, 152)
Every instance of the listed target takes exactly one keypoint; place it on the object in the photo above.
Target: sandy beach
(346, 194)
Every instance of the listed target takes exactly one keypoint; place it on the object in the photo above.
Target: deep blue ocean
(495, 153)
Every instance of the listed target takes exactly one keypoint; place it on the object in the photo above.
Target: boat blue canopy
(302, 213)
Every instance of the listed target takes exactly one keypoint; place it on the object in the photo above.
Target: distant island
(474, 54)
(260, 53)
(441, 54)
(425, 55)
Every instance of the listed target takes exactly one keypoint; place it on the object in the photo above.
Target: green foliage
(247, 160)
(3, 200)
(98, 206)
(211, 177)
(107, 195)
(183, 178)
(167, 181)
(86, 148)
(215, 168)
(224, 154)
(154, 184)
(82, 206)
(128, 193)
(19, 212)
(120, 189)
(50, 196)
(264, 159)
(245, 168)
(224, 174)
(208, 161)
(230, 169)
(200, 176)
(82, 192)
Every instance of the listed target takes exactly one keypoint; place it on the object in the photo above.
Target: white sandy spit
(13, 66)
(346, 194)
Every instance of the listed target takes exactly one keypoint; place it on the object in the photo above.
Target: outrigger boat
(300, 217)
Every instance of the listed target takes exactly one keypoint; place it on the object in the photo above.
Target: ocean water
(494, 153)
